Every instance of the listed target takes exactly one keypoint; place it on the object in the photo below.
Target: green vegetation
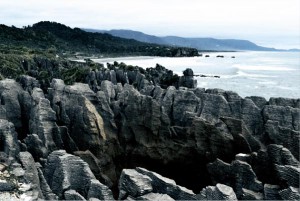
(43, 51)
(55, 38)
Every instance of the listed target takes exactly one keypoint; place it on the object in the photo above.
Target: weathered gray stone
(271, 192)
(287, 137)
(221, 172)
(155, 197)
(94, 165)
(260, 102)
(31, 173)
(251, 195)
(251, 116)
(28, 83)
(218, 192)
(213, 107)
(36, 146)
(45, 188)
(43, 123)
(281, 156)
(290, 193)
(286, 116)
(285, 102)
(8, 139)
(134, 184)
(108, 88)
(67, 172)
(73, 195)
(238, 174)
(37, 94)
(14, 103)
(167, 186)
(74, 108)
(289, 174)
(184, 102)
(99, 191)
(6, 186)
(64, 171)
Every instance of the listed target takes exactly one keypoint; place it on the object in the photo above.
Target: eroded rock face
(79, 109)
(135, 183)
(218, 192)
(75, 110)
(251, 145)
(238, 174)
(9, 140)
(65, 171)
(15, 105)
(43, 123)
(31, 174)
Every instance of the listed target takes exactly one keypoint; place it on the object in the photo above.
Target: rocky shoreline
(128, 134)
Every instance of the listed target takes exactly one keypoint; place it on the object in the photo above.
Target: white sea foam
(252, 75)
(267, 74)
(262, 68)
(240, 73)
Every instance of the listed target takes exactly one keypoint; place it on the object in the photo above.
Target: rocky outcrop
(285, 102)
(8, 141)
(75, 110)
(187, 80)
(141, 184)
(31, 175)
(271, 192)
(15, 105)
(135, 183)
(218, 192)
(28, 83)
(43, 124)
(290, 193)
(238, 174)
(84, 135)
(79, 109)
(67, 172)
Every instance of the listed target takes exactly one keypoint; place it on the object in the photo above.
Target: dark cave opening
(190, 173)
(1, 144)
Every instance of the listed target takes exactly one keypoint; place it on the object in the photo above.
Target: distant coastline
(202, 44)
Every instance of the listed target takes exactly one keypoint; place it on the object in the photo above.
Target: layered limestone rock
(126, 120)
(15, 105)
(238, 174)
(142, 184)
(75, 110)
(218, 192)
(9, 147)
(79, 109)
(67, 172)
(135, 183)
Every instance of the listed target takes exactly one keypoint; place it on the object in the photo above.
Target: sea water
(266, 74)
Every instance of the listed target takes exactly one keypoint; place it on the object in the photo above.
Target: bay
(266, 74)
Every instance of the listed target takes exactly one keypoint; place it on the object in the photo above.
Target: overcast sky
(266, 22)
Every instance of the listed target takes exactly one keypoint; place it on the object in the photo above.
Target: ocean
(266, 74)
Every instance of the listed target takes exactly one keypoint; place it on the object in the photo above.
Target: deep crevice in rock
(190, 172)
